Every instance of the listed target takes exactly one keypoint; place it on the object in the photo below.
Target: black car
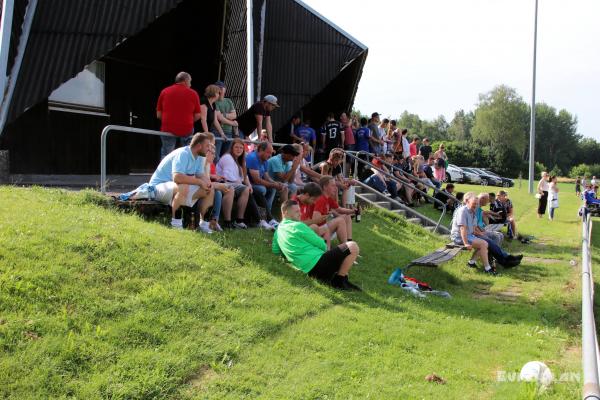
(506, 182)
(486, 179)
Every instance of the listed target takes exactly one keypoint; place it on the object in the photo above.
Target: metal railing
(128, 129)
(358, 160)
(589, 339)
(407, 175)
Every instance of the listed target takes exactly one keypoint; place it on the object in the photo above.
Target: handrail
(408, 175)
(395, 178)
(108, 128)
(409, 211)
(589, 340)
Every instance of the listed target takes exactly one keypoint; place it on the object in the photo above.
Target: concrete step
(399, 212)
(414, 220)
(384, 204)
(358, 189)
(369, 196)
(429, 228)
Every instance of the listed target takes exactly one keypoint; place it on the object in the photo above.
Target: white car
(454, 174)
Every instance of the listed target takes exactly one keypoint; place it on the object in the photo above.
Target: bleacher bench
(437, 257)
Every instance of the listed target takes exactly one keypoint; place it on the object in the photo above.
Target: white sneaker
(176, 223)
(274, 223)
(216, 227)
(203, 227)
(240, 225)
(263, 224)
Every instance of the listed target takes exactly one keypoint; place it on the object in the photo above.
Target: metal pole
(7, 19)
(249, 55)
(532, 124)
(589, 347)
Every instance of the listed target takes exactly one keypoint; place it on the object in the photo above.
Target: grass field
(95, 303)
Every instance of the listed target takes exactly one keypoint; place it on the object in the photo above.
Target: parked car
(470, 176)
(506, 182)
(454, 174)
(486, 179)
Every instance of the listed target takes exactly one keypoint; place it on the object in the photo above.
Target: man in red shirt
(178, 108)
(327, 205)
(414, 146)
(306, 198)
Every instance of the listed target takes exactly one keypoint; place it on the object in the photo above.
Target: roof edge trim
(331, 23)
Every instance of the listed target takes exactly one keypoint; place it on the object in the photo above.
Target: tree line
(496, 135)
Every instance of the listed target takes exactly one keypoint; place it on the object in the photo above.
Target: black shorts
(330, 263)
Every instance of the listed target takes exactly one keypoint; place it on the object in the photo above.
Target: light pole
(532, 124)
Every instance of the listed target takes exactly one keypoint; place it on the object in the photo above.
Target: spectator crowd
(229, 183)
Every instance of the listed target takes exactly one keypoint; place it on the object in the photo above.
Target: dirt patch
(537, 260)
(510, 294)
(200, 379)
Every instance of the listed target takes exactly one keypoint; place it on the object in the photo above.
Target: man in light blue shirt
(180, 179)
(282, 167)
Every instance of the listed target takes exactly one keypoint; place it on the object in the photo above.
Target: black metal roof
(66, 35)
(303, 53)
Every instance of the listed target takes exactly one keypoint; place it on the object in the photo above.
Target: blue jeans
(495, 250)
(264, 198)
(216, 211)
(378, 184)
(169, 143)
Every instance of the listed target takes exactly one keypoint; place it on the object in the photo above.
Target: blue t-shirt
(479, 215)
(180, 161)
(307, 134)
(362, 139)
(277, 165)
(253, 162)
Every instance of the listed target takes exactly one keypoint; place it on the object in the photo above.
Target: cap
(289, 149)
(271, 99)
(220, 84)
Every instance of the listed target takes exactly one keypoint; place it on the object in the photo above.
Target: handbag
(538, 196)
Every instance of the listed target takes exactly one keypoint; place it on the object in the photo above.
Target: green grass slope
(95, 303)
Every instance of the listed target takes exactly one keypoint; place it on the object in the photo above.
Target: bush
(585, 170)
(556, 171)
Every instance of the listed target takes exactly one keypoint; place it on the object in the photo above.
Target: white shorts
(164, 193)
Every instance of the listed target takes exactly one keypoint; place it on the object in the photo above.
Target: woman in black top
(578, 187)
(209, 115)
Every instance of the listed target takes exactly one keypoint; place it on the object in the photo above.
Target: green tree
(588, 151)
(461, 125)
(556, 137)
(501, 120)
(412, 122)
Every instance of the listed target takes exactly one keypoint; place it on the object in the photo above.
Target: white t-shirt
(299, 176)
(228, 168)
(405, 147)
(543, 185)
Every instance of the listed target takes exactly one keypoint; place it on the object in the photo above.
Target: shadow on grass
(378, 294)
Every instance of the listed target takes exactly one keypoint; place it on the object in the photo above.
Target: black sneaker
(511, 262)
(351, 285)
(491, 271)
(474, 265)
(339, 282)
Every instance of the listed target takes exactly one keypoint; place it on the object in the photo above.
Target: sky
(434, 57)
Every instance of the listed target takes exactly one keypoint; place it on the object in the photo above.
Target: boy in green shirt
(307, 251)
